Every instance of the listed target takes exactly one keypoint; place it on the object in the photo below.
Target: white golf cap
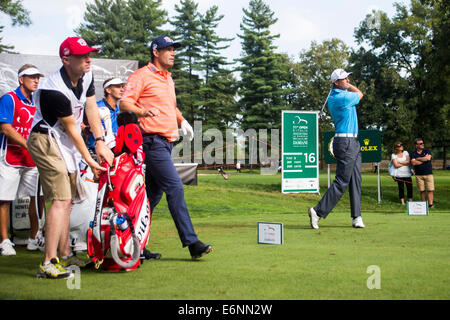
(32, 71)
(339, 74)
(112, 82)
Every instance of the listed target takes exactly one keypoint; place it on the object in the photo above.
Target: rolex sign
(370, 141)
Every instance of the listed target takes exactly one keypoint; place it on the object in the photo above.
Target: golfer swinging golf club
(342, 101)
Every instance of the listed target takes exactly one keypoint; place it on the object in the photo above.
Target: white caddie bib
(69, 152)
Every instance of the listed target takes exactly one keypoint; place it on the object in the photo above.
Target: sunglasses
(399, 145)
(420, 143)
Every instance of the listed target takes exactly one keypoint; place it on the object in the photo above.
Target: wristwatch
(99, 138)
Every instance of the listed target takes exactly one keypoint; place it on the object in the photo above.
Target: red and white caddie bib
(16, 155)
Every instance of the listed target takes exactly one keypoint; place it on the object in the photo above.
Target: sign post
(300, 152)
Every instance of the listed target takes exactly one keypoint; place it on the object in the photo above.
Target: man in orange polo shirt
(150, 94)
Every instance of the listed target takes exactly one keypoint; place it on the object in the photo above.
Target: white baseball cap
(113, 81)
(339, 74)
(30, 72)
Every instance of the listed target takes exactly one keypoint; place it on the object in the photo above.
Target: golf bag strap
(114, 244)
(130, 222)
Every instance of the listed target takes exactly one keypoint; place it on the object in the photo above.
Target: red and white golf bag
(121, 224)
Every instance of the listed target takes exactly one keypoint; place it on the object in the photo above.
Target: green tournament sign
(300, 151)
(370, 141)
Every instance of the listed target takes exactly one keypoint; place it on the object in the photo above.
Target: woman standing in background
(400, 159)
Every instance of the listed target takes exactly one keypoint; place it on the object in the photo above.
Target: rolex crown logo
(366, 142)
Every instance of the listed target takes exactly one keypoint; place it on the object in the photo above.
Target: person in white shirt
(401, 161)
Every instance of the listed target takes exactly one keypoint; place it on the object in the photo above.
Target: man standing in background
(109, 109)
(423, 169)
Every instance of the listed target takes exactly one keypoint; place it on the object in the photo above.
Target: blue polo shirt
(114, 112)
(7, 109)
(342, 106)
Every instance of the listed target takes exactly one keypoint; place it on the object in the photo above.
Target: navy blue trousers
(162, 177)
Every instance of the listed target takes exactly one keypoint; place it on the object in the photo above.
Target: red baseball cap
(75, 46)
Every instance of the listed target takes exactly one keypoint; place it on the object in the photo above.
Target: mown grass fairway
(412, 252)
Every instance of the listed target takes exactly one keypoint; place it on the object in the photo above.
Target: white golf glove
(186, 128)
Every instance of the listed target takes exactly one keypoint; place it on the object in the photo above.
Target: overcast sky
(299, 22)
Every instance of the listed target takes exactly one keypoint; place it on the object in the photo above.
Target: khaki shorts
(57, 183)
(425, 182)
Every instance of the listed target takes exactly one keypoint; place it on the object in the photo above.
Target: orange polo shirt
(153, 89)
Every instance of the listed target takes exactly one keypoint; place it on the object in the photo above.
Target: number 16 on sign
(300, 151)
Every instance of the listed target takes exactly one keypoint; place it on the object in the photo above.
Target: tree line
(401, 64)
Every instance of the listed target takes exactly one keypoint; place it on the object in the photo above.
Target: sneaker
(147, 255)
(430, 206)
(358, 223)
(53, 270)
(7, 248)
(73, 260)
(199, 249)
(313, 218)
(38, 243)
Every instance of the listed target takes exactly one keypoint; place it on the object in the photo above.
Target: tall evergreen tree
(216, 95)
(19, 16)
(187, 25)
(103, 27)
(147, 19)
(262, 85)
(122, 29)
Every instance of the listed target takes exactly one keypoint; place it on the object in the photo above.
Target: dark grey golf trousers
(348, 174)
